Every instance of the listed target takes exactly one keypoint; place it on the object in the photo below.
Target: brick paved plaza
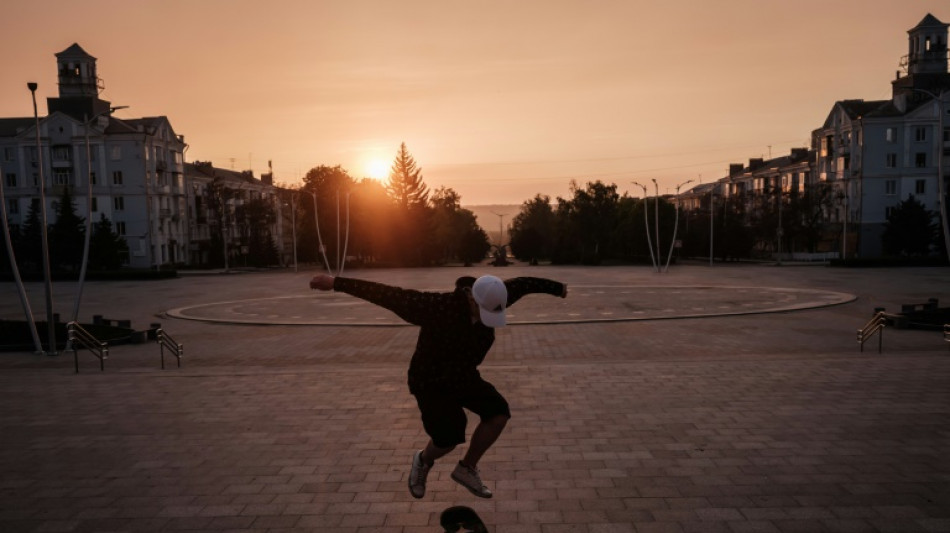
(758, 413)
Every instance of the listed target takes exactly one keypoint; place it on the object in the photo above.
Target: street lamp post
(781, 191)
(293, 227)
(646, 225)
(656, 223)
(941, 192)
(88, 236)
(50, 326)
(676, 224)
(712, 198)
(21, 289)
(316, 222)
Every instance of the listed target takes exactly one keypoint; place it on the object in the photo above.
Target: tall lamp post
(50, 326)
(941, 193)
(656, 222)
(293, 227)
(712, 198)
(316, 222)
(676, 224)
(646, 224)
(88, 236)
(21, 289)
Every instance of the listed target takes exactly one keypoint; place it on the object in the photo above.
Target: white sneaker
(417, 476)
(468, 477)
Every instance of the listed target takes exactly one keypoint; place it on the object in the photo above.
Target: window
(11, 179)
(887, 212)
(118, 203)
(13, 206)
(9, 153)
(61, 153)
(920, 187)
(95, 204)
(889, 135)
(920, 159)
(946, 135)
(891, 161)
(890, 187)
(61, 176)
(117, 177)
(92, 178)
(36, 179)
(120, 228)
(920, 134)
(116, 153)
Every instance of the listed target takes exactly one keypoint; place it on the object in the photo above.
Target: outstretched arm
(518, 287)
(415, 307)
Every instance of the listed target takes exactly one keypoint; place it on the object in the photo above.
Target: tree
(330, 186)
(451, 224)
(412, 220)
(257, 216)
(67, 234)
(587, 222)
(405, 185)
(218, 197)
(29, 251)
(107, 249)
(910, 229)
(473, 246)
(532, 230)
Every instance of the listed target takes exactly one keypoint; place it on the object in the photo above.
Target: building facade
(131, 168)
(867, 156)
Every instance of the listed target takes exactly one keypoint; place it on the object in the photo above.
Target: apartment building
(133, 170)
(871, 154)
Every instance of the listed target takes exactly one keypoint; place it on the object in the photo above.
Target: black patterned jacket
(450, 345)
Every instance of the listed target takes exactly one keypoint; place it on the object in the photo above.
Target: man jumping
(457, 330)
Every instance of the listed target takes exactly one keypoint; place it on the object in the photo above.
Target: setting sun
(377, 169)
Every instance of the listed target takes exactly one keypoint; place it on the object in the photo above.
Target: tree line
(596, 224)
(403, 223)
(66, 237)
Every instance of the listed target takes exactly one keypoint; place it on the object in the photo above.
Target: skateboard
(461, 518)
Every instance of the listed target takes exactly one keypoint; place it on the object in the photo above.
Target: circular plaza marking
(585, 303)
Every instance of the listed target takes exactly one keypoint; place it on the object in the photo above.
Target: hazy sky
(499, 100)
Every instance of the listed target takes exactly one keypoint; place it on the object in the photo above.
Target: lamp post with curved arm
(88, 236)
(316, 222)
(47, 282)
(676, 224)
(646, 224)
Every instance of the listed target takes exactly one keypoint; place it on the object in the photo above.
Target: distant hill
(488, 219)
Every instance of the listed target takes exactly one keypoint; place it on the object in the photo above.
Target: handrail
(874, 326)
(166, 341)
(77, 337)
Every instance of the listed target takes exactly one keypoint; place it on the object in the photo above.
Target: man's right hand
(322, 282)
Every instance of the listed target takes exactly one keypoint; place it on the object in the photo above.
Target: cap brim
(492, 319)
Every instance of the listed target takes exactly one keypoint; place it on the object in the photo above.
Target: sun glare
(377, 169)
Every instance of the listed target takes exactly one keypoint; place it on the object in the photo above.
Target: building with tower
(131, 169)
(875, 154)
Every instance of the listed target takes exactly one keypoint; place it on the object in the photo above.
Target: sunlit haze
(498, 100)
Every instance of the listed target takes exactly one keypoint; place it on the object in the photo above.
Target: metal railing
(77, 338)
(874, 326)
(166, 341)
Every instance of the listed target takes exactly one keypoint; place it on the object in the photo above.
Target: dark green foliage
(107, 249)
(67, 235)
(910, 230)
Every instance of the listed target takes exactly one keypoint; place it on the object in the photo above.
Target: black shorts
(443, 415)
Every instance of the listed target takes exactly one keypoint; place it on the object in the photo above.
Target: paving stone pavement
(771, 422)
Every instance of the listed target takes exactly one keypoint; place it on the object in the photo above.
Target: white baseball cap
(491, 295)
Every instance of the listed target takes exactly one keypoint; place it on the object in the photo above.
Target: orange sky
(499, 100)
